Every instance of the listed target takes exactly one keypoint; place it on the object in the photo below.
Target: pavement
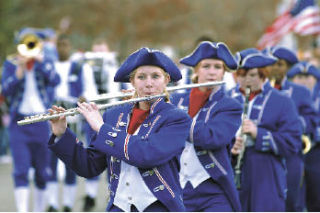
(7, 191)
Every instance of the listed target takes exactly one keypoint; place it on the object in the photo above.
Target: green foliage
(130, 24)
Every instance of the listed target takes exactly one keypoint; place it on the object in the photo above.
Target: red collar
(277, 86)
(137, 118)
(252, 94)
(30, 64)
(197, 100)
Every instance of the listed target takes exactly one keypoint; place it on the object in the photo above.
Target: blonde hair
(165, 74)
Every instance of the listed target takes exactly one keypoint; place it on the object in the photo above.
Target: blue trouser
(3, 140)
(154, 207)
(70, 177)
(295, 167)
(29, 148)
(206, 197)
(312, 179)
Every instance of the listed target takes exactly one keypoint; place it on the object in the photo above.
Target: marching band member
(77, 81)
(303, 102)
(25, 82)
(307, 75)
(104, 64)
(273, 131)
(139, 143)
(206, 174)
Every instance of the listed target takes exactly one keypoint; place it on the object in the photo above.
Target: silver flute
(103, 97)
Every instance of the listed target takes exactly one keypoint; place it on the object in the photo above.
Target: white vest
(31, 100)
(132, 189)
(191, 167)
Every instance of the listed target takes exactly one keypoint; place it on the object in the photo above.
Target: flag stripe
(303, 18)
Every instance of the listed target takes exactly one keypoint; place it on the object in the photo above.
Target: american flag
(302, 18)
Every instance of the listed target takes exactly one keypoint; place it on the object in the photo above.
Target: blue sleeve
(220, 129)
(86, 162)
(9, 81)
(48, 70)
(286, 139)
(307, 114)
(175, 98)
(146, 152)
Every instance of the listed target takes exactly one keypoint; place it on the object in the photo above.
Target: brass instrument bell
(30, 46)
(306, 142)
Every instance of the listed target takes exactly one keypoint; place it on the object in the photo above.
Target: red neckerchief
(197, 100)
(30, 64)
(138, 116)
(277, 86)
(252, 94)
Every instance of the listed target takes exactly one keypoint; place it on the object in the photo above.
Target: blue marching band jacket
(154, 150)
(13, 88)
(303, 101)
(278, 136)
(316, 105)
(212, 143)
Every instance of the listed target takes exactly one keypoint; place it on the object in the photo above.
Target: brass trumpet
(30, 46)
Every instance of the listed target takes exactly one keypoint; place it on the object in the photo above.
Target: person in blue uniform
(138, 143)
(25, 81)
(206, 174)
(306, 74)
(303, 102)
(77, 81)
(273, 132)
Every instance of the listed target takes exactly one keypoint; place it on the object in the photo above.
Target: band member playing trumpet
(206, 174)
(273, 133)
(139, 143)
(26, 80)
(303, 102)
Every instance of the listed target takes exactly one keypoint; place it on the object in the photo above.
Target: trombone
(103, 97)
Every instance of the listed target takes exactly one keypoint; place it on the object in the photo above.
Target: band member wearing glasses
(138, 143)
(273, 132)
(206, 174)
(26, 80)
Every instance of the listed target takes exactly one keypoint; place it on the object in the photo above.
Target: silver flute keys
(74, 111)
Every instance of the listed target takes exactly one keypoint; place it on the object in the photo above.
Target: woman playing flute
(138, 143)
(206, 174)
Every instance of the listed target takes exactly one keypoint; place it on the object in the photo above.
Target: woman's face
(279, 70)
(209, 70)
(149, 80)
(253, 80)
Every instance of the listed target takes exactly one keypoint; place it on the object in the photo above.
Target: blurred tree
(128, 24)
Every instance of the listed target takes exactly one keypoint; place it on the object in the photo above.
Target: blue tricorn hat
(46, 33)
(252, 58)
(19, 36)
(284, 53)
(303, 67)
(146, 56)
(213, 50)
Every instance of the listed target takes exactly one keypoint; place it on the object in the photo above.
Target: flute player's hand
(58, 125)
(91, 113)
